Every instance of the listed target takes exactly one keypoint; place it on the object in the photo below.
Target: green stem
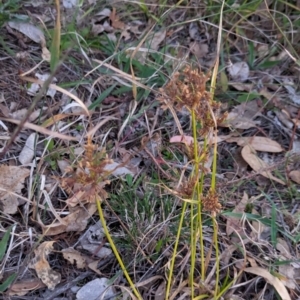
(114, 249)
(214, 167)
(175, 250)
(199, 194)
(199, 188)
(215, 237)
(193, 236)
(215, 225)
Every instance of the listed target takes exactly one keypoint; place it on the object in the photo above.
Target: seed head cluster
(187, 89)
(88, 178)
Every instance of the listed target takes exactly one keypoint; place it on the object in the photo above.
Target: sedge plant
(187, 89)
(87, 180)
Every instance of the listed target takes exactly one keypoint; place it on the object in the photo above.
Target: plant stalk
(114, 249)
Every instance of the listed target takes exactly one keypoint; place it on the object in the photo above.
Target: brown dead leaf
(240, 86)
(31, 31)
(278, 285)
(284, 117)
(48, 276)
(94, 267)
(240, 166)
(23, 287)
(295, 176)
(258, 143)
(27, 153)
(243, 115)
(283, 247)
(258, 165)
(239, 71)
(75, 221)
(56, 88)
(54, 119)
(4, 110)
(156, 39)
(115, 21)
(11, 183)
(252, 262)
(258, 227)
(84, 194)
(75, 257)
(290, 274)
(262, 50)
(160, 291)
(198, 49)
(289, 271)
(234, 224)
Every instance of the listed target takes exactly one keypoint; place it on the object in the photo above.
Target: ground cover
(149, 149)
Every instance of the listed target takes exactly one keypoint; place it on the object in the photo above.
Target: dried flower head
(88, 177)
(188, 89)
(211, 202)
(187, 187)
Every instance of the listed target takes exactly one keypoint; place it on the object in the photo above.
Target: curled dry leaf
(295, 176)
(75, 221)
(75, 258)
(11, 183)
(27, 152)
(258, 165)
(48, 276)
(23, 287)
(278, 285)
(115, 21)
(259, 143)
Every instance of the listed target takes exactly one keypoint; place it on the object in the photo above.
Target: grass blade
(3, 242)
(7, 282)
(273, 225)
(55, 46)
(103, 95)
